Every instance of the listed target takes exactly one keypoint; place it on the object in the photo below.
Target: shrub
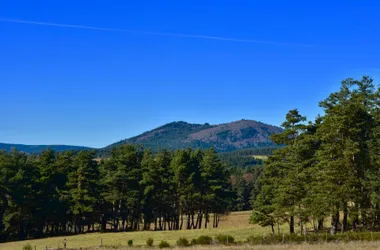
(149, 242)
(193, 242)
(163, 244)
(204, 240)
(27, 247)
(225, 239)
(130, 243)
(183, 242)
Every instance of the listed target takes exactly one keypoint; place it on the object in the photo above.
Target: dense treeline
(245, 158)
(252, 151)
(245, 184)
(328, 168)
(65, 193)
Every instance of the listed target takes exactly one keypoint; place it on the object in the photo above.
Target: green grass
(236, 224)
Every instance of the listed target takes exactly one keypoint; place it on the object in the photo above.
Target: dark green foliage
(183, 242)
(225, 239)
(149, 242)
(329, 167)
(65, 193)
(204, 240)
(244, 159)
(248, 132)
(130, 243)
(163, 244)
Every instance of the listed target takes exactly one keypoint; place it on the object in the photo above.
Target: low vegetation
(149, 242)
(164, 244)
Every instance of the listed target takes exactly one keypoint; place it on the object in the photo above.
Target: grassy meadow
(236, 224)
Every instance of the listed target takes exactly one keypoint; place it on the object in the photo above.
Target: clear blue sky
(81, 86)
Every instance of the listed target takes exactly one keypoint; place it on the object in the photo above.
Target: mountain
(177, 135)
(38, 148)
(223, 137)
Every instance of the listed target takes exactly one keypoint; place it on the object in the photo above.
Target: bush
(313, 238)
(193, 242)
(225, 239)
(27, 247)
(149, 242)
(204, 240)
(183, 242)
(163, 244)
(130, 243)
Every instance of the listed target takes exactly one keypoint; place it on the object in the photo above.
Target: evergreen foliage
(329, 167)
(65, 193)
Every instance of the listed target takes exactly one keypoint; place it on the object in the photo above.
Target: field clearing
(261, 157)
(235, 224)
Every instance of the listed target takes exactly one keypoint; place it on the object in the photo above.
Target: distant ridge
(223, 137)
(38, 148)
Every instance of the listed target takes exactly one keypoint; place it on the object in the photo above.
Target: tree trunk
(200, 220)
(344, 223)
(291, 225)
(334, 223)
(320, 224)
(180, 226)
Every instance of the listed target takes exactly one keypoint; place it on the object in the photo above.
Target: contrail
(150, 32)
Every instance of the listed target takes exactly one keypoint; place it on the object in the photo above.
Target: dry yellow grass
(235, 224)
(261, 157)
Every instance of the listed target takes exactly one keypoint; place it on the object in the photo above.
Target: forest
(329, 168)
(70, 192)
(325, 171)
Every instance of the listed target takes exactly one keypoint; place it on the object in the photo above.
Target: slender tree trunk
(180, 227)
(334, 223)
(344, 222)
(214, 221)
(217, 219)
(188, 222)
(200, 220)
(192, 220)
(291, 225)
(320, 224)
(206, 218)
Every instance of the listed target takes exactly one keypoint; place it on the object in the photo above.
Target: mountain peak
(223, 137)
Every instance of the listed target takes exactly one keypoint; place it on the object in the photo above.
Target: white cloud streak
(228, 39)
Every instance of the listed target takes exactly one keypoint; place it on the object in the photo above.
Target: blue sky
(66, 85)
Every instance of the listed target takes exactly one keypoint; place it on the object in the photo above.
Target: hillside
(38, 148)
(224, 137)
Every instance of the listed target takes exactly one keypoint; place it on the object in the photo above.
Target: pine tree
(82, 191)
(344, 155)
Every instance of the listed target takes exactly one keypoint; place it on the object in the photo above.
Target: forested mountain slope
(38, 148)
(223, 137)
